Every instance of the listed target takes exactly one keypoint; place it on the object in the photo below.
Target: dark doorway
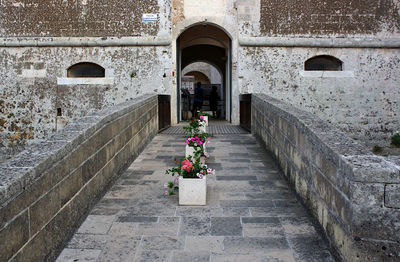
(164, 112)
(209, 44)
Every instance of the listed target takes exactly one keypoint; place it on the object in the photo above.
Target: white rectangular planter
(202, 129)
(206, 120)
(189, 151)
(192, 191)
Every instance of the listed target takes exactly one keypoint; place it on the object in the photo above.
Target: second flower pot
(189, 151)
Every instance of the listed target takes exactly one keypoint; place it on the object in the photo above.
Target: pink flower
(209, 138)
(166, 193)
(187, 166)
(201, 171)
(209, 170)
(202, 117)
(200, 176)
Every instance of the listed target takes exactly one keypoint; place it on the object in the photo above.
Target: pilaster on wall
(349, 190)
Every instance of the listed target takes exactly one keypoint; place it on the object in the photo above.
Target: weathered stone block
(88, 169)
(370, 168)
(58, 230)
(75, 159)
(392, 195)
(61, 169)
(322, 186)
(250, 244)
(14, 236)
(44, 209)
(25, 199)
(303, 188)
(283, 126)
(70, 186)
(373, 250)
(368, 195)
(34, 249)
(375, 223)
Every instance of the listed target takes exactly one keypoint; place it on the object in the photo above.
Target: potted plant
(191, 179)
(196, 142)
(204, 116)
(196, 125)
(196, 147)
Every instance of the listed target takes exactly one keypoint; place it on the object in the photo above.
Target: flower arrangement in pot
(196, 125)
(191, 175)
(196, 146)
(204, 116)
(196, 142)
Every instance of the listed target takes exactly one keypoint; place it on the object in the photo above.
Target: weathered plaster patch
(204, 7)
(326, 74)
(85, 81)
(32, 73)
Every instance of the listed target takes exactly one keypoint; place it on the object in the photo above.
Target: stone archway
(208, 43)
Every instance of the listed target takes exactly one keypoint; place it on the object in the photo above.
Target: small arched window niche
(85, 73)
(323, 63)
(325, 66)
(86, 69)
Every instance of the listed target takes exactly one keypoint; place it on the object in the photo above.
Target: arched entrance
(207, 43)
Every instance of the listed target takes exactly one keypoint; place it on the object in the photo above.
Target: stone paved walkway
(251, 214)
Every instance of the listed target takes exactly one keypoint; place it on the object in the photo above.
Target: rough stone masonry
(270, 43)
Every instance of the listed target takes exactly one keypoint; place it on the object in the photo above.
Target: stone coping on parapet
(357, 163)
(327, 42)
(84, 41)
(18, 173)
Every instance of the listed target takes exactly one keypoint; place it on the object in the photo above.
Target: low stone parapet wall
(353, 193)
(48, 189)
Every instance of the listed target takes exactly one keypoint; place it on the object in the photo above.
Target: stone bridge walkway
(251, 214)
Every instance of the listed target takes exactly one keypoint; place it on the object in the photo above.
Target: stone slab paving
(251, 214)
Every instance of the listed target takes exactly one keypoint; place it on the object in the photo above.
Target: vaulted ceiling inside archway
(204, 42)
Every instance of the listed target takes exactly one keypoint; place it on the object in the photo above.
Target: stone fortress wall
(363, 99)
(351, 192)
(48, 189)
(270, 43)
(37, 48)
